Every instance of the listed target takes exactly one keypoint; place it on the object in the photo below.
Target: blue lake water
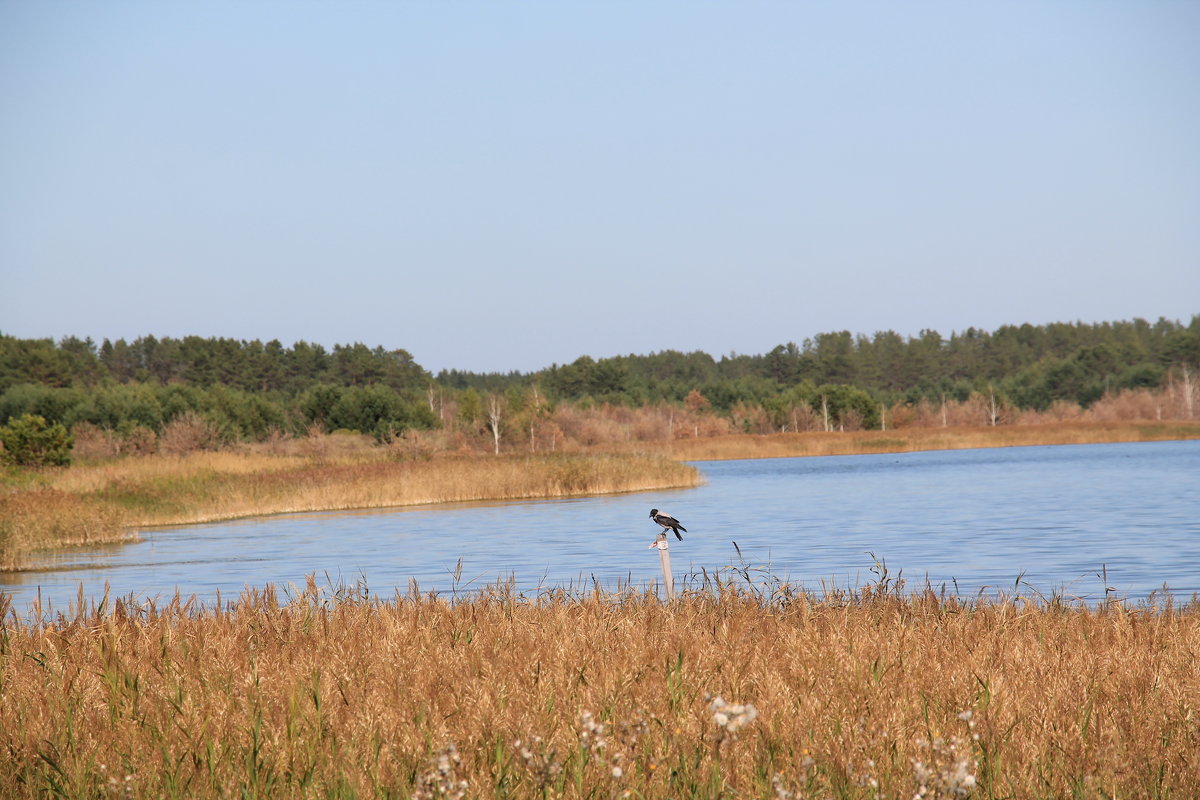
(973, 519)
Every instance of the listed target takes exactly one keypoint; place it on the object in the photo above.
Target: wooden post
(664, 558)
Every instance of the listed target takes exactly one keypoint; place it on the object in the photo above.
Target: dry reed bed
(727, 693)
(103, 502)
(913, 439)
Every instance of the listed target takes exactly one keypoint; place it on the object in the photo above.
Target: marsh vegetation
(108, 500)
(746, 687)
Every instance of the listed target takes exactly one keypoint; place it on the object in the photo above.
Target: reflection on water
(971, 518)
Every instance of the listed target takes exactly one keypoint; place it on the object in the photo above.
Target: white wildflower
(591, 733)
(441, 779)
(731, 717)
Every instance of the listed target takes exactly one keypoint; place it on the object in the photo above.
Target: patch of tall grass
(913, 439)
(735, 690)
(38, 518)
(104, 502)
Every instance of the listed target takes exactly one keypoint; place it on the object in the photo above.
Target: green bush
(29, 441)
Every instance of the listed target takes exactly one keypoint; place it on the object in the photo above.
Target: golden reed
(735, 690)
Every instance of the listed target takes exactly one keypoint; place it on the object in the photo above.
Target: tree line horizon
(249, 390)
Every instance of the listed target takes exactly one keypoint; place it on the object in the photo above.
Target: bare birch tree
(437, 401)
(494, 409)
(536, 409)
(1188, 397)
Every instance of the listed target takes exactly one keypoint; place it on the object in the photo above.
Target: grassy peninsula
(107, 501)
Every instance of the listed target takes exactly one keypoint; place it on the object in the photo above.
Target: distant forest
(249, 390)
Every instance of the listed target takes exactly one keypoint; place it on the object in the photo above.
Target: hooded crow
(668, 522)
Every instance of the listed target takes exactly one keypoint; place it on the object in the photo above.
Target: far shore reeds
(819, 443)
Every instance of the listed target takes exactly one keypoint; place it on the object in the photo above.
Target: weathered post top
(664, 558)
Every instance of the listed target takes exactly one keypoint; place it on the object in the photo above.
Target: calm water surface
(978, 518)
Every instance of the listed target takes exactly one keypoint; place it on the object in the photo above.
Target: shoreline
(913, 440)
(103, 503)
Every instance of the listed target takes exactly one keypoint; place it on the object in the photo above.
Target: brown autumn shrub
(706, 425)
(651, 425)
(750, 418)
(1064, 410)
(569, 419)
(418, 445)
(600, 430)
(850, 420)
(922, 414)
(93, 443)
(803, 418)
(189, 433)
(549, 436)
(139, 441)
(902, 415)
(1182, 394)
(1127, 405)
(276, 443)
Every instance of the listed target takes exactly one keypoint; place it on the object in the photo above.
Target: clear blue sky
(498, 186)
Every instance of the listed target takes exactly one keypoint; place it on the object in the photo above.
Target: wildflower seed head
(781, 792)
(441, 779)
(591, 733)
(731, 717)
